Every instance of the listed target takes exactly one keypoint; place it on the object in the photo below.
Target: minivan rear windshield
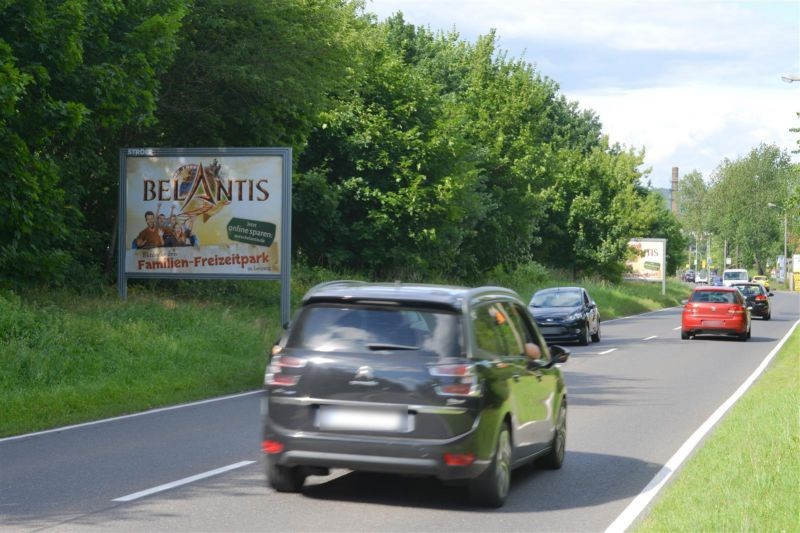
(338, 328)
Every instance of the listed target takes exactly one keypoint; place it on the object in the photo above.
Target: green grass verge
(67, 358)
(746, 476)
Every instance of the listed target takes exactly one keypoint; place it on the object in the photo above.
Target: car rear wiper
(382, 346)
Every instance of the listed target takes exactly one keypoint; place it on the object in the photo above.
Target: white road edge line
(643, 499)
(150, 412)
(607, 351)
(650, 337)
(184, 481)
(676, 329)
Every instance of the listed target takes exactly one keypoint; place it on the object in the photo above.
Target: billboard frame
(663, 261)
(286, 218)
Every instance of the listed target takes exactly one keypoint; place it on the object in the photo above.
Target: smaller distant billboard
(647, 260)
(780, 261)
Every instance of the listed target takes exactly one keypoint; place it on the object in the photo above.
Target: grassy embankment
(746, 476)
(68, 357)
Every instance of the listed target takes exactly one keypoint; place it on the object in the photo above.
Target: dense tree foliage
(738, 204)
(78, 79)
(416, 153)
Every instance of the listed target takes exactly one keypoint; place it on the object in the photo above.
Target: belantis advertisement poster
(647, 260)
(209, 215)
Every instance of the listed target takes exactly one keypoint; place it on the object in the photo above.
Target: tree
(401, 185)
(77, 79)
(740, 192)
(255, 73)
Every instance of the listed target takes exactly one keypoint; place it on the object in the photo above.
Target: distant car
(566, 314)
(689, 276)
(422, 380)
(701, 277)
(763, 280)
(715, 311)
(733, 275)
(716, 281)
(757, 298)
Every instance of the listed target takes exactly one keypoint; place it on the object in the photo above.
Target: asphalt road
(634, 398)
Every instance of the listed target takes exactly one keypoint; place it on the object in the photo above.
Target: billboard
(205, 213)
(647, 261)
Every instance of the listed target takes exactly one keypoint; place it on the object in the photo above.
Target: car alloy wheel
(596, 335)
(585, 336)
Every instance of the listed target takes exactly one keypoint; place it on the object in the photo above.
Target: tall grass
(65, 358)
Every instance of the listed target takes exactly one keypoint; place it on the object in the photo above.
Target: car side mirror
(770, 294)
(558, 354)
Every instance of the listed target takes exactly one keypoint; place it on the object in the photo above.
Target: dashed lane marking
(184, 481)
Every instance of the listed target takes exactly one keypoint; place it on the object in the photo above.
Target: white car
(732, 275)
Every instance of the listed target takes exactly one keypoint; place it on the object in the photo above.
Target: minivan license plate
(334, 417)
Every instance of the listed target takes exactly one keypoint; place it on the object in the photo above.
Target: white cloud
(695, 127)
(676, 25)
(691, 81)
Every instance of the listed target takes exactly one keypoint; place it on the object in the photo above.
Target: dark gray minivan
(450, 382)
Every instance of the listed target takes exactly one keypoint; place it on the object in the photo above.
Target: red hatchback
(715, 311)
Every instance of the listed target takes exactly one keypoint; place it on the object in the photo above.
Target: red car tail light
(459, 459)
(281, 380)
(761, 298)
(275, 376)
(272, 446)
(736, 310)
(457, 380)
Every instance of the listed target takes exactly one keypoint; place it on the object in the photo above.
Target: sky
(692, 82)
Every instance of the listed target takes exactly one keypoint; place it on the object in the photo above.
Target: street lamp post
(785, 234)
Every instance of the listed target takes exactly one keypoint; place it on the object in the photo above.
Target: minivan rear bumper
(389, 455)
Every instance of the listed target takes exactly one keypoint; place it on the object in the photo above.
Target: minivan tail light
(289, 361)
(459, 459)
(456, 380)
(275, 375)
(272, 446)
(281, 380)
